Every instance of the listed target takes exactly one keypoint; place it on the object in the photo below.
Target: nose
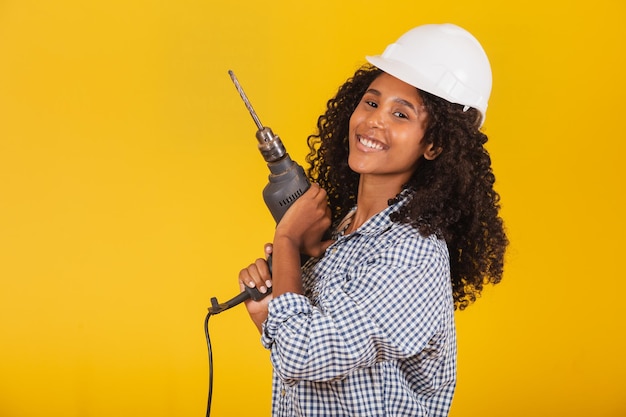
(375, 119)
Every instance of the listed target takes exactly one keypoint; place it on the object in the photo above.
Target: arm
(384, 309)
(299, 231)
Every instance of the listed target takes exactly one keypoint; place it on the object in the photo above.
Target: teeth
(370, 143)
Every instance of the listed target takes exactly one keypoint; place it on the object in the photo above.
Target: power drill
(287, 182)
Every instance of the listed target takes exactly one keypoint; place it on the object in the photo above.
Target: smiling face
(386, 131)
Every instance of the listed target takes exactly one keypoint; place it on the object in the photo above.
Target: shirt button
(283, 392)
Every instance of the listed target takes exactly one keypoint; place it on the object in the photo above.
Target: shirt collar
(381, 221)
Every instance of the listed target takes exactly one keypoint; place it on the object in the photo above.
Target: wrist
(259, 319)
(285, 242)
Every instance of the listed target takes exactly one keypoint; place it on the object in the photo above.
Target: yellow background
(130, 194)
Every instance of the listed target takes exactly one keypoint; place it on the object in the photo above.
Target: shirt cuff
(280, 310)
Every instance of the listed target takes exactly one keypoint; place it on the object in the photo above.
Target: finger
(252, 277)
(269, 248)
(329, 212)
(245, 278)
(321, 198)
(314, 190)
(325, 223)
(320, 193)
(264, 274)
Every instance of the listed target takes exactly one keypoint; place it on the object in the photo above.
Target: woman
(402, 181)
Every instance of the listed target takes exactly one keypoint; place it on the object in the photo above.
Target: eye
(371, 103)
(401, 115)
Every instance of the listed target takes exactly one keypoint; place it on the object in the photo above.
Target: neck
(373, 197)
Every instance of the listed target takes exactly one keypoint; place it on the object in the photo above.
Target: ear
(431, 152)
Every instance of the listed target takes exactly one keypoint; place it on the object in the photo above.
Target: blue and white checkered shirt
(374, 334)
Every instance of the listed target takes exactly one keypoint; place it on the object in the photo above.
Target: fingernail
(251, 284)
(268, 283)
(263, 289)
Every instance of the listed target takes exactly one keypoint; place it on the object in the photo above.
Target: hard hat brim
(405, 73)
(423, 82)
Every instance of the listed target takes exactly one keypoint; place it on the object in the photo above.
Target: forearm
(286, 273)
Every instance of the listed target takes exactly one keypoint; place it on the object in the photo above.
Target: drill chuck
(270, 145)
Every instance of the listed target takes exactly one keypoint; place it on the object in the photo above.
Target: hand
(306, 221)
(257, 275)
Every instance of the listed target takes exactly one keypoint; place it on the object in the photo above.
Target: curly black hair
(452, 196)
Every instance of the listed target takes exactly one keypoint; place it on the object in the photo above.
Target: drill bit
(258, 123)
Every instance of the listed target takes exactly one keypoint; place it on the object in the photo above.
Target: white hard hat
(441, 59)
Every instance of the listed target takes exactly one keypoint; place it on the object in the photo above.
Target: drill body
(287, 180)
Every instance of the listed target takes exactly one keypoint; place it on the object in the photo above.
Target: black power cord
(210, 350)
(216, 308)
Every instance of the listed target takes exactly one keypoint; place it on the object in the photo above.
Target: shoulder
(404, 239)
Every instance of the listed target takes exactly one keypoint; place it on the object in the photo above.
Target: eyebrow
(396, 99)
